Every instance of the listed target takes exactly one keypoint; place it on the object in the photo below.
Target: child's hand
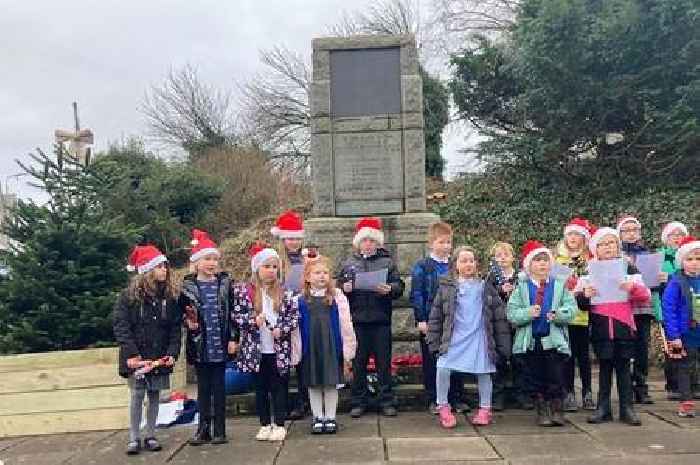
(663, 277)
(535, 311)
(423, 327)
(626, 286)
(507, 288)
(589, 291)
(383, 289)
(347, 370)
(551, 316)
(192, 325)
(232, 347)
(276, 333)
(676, 344)
(135, 362)
(260, 321)
(347, 287)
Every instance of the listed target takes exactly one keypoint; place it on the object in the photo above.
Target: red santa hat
(289, 225)
(368, 228)
(580, 226)
(259, 254)
(144, 258)
(686, 246)
(627, 219)
(670, 227)
(202, 245)
(530, 250)
(598, 234)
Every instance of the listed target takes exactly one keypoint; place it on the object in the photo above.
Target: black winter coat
(196, 340)
(150, 328)
(441, 322)
(369, 306)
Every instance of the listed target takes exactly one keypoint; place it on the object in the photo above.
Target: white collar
(438, 259)
(317, 292)
(536, 283)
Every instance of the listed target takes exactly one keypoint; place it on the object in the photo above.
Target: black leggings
(579, 339)
(270, 387)
(210, 385)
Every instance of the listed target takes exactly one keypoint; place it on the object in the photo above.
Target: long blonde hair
(309, 265)
(145, 285)
(275, 292)
(285, 263)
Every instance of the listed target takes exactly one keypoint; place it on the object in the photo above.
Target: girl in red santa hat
(147, 327)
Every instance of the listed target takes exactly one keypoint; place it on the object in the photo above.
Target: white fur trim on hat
(599, 234)
(286, 234)
(368, 233)
(670, 227)
(577, 229)
(154, 262)
(627, 219)
(535, 252)
(261, 257)
(684, 250)
(204, 252)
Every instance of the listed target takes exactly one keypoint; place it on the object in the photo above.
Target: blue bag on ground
(237, 382)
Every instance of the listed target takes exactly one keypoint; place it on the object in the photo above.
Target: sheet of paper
(560, 271)
(606, 276)
(369, 280)
(649, 265)
(292, 281)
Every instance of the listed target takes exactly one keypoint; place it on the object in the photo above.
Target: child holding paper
(613, 330)
(572, 252)
(469, 331)
(541, 308)
(371, 313)
(289, 229)
(681, 307)
(630, 231)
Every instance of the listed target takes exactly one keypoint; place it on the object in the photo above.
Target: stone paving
(412, 437)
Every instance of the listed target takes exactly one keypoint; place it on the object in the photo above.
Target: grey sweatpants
(136, 412)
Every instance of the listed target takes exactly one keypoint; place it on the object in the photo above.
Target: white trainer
(264, 433)
(278, 433)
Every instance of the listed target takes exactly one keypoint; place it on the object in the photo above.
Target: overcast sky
(104, 54)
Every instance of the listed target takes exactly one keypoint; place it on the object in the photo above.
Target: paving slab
(547, 445)
(504, 423)
(428, 450)
(642, 442)
(669, 414)
(40, 458)
(649, 423)
(422, 424)
(248, 452)
(364, 427)
(72, 442)
(681, 459)
(8, 443)
(338, 450)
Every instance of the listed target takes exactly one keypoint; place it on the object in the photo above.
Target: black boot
(641, 395)
(544, 415)
(498, 402)
(557, 412)
(603, 413)
(203, 434)
(624, 392)
(219, 430)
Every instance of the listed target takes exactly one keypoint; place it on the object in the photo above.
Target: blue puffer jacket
(676, 307)
(425, 281)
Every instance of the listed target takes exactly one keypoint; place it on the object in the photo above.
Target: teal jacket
(564, 307)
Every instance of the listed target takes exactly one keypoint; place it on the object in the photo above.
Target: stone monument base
(405, 236)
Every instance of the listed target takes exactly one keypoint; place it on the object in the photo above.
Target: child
(541, 308)
(328, 342)
(289, 229)
(630, 230)
(371, 313)
(502, 279)
(613, 331)
(147, 327)
(681, 307)
(424, 285)
(266, 316)
(671, 236)
(207, 302)
(572, 252)
(469, 331)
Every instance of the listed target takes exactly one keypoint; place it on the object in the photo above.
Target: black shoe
(556, 411)
(297, 413)
(389, 411)
(330, 427)
(461, 407)
(151, 444)
(629, 416)
(317, 426)
(498, 403)
(603, 414)
(202, 436)
(219, 440)
(133, 447)
(357, 412)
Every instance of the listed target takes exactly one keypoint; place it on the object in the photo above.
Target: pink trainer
(482, 417)
(447, 419)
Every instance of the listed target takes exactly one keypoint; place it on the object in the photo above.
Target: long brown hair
(309, 265)
(285, 263)
(275, 292)
(455, 256)
(145, 285)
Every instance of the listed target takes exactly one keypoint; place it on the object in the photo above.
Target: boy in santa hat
(371, 313)
(541, 308)
(147, 322)
(613, 330)
(207, 300)
(681, 309)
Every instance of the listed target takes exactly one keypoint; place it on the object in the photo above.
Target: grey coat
(441, 321)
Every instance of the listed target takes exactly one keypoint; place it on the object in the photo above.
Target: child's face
(208, 265)
(691, 263)
(442, 246)
(504, 258)
(574, 241)
(540, 266)
(466, 264)
(268, 271)
(674, 238)
(608, 248)
(368, 246)
(160, 273)
(292, 244)
(630, 232)
(319, 276)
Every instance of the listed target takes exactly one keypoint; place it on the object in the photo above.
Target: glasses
(629, 230)
(607, 244)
